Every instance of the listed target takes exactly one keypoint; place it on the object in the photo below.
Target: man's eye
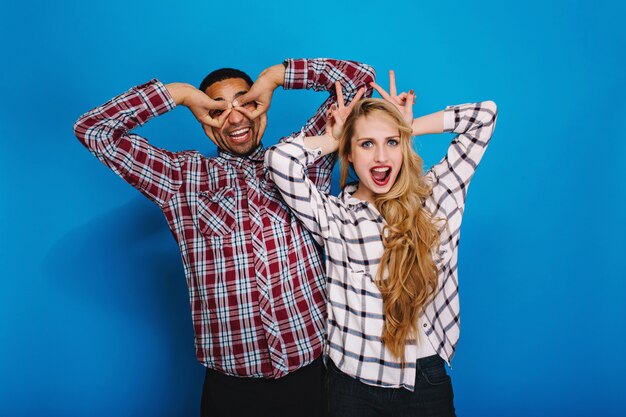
(251, 105)
(215, 113)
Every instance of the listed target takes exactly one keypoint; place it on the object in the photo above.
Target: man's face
(239, 134)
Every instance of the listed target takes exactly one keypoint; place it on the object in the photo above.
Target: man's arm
(106, 132)
(321, 75)
(317, 74)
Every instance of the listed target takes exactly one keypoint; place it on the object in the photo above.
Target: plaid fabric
(256, 282)
(351, 231)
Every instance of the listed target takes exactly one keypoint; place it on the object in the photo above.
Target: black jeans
(297, 394)
(433, 397)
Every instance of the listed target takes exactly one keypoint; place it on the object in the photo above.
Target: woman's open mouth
(380, 175)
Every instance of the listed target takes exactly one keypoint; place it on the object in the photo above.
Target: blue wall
(94, 317)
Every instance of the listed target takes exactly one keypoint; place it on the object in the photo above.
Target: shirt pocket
(217, 211)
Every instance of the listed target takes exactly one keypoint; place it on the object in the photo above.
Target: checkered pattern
(256, 282)
(351, 231)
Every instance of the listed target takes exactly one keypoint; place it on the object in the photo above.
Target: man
(256, 282)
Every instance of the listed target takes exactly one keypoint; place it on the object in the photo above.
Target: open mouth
(240, 135)
(380, 175)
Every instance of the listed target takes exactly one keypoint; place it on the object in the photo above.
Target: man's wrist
(178, 91)
(275, 74)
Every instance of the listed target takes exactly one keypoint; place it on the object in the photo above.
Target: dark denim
(433, 397)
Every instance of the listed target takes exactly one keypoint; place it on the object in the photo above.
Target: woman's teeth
(380, 174)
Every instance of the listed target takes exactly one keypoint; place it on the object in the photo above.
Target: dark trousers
(297, 394)
(347, 397)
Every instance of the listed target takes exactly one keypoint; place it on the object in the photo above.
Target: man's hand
(261, 92)
(209, 112)
(403, 102)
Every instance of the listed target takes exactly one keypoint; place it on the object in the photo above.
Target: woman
(391, 246)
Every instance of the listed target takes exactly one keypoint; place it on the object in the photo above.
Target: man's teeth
(240, 132)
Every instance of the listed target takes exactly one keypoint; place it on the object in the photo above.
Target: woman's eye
(393, 142)
(366, 144)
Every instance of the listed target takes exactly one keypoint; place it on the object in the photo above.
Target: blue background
(94, 315)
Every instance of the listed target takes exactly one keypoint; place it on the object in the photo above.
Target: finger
(410, 98)
(216, 105)
(392, 83)
(380, 90)
(245, 98)
(357, 97)
(248, 113)
(339, 94)
(222, 118)
(253, 114)
(217, 122)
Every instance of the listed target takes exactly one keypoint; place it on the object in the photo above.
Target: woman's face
(376, 154)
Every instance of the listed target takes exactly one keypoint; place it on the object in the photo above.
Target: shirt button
(425, 324)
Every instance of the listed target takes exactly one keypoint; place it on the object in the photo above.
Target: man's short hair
(224, 74)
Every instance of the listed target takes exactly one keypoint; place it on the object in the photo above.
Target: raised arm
(474, 124)
(321, 75)
(106, 132)
(318, 75)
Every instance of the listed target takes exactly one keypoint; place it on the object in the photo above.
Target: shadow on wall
(125, 268)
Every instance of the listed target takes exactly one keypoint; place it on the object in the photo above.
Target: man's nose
(235, 117)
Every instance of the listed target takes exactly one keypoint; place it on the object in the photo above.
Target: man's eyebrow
(241, 93)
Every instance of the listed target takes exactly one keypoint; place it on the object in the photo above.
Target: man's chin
(242, 149)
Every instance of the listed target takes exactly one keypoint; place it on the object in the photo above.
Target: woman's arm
(474, 124)
(429, 124)
(286, 163)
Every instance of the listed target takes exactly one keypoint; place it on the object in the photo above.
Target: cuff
(156, 97)
(307, 156)
(296, 74)
(449, 119)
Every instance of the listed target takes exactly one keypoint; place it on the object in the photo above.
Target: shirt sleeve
(320, 75)
(105, 131)
(286, 163)
(474, 124)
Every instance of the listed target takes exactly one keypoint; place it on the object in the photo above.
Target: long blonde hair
(409, 237)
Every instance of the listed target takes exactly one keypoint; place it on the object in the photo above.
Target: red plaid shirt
(256, 282)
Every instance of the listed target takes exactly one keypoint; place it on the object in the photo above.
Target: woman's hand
(338, 113)
(403, 102)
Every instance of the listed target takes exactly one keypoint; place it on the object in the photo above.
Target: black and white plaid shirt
(351, 231)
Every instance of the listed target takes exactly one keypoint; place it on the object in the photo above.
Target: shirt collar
(352, 202)
(257, 156)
